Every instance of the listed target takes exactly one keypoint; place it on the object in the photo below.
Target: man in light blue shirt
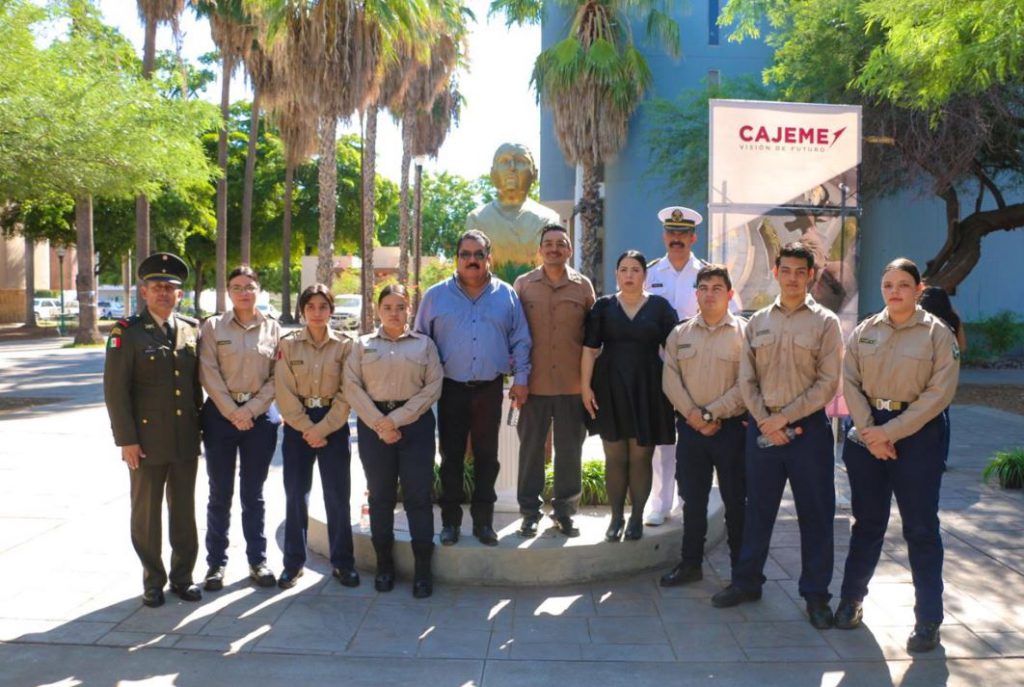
(481, 332)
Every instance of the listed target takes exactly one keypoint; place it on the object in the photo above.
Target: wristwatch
(706, 415)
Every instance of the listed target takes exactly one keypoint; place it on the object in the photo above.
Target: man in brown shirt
(556, 299)
(700, 378)
(789, 370)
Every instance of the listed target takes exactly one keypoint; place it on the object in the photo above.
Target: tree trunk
(85, 282)
(962, 249)
(250, 173)
(126, 280)
(369, 172)
(30, 282)
(142, 224)
(199, 288)
(408, 133)
(417, 238)
(286, 247)
(589, 211)
(327, 169)
(221, 268)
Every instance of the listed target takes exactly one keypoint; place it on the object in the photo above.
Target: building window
(714, 78)
(713, 22)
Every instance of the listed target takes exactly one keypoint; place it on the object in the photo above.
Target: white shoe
(654, 519)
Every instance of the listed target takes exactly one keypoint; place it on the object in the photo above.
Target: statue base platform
(550, 558)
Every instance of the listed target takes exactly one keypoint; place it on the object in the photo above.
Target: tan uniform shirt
(556, 314)
(791, 361)
(382, 369)
(238, 358)
(917, 362)
(702, 366)
(306, 369)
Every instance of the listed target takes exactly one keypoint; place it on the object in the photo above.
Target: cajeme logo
(790, 135)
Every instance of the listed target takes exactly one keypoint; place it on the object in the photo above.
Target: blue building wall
(909, 224)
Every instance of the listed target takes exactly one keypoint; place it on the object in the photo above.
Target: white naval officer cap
(678, 218)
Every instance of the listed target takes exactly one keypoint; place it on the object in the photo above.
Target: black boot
(384, 580)
(422, 580)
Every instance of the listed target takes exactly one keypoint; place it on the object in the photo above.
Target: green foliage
(347, 282)
(594, 492)
(433, 272)
(1007, 467)
(46, 293)
(447, 200)
(1002, 332)
(678, 136)
(468, 479)
(51, 217)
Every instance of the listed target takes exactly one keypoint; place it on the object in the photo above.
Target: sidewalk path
(70, 611)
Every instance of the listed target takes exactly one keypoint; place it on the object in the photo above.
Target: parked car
(269, 310)
(46, 308)
(110, 310)
(347, 311)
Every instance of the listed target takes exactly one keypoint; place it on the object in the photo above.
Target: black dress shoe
(449, 535)
(634, 530)
(733, 596)
(422, 588)
(289, 578)
(529, 527)
(348, 577)
(384, 581)
(565, 525)
(684, 573)
(849, 613)
(153, 598)
(925, 637)
(214, 580)
(614, 531)
(820, 614)
(187, 592)
(262, 575)
(486, 535)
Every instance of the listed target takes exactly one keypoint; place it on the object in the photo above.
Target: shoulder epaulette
(128, 321)
(652, 263)
(290, 334)
(191, 320)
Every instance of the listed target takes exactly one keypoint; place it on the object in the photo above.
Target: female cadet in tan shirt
(236, 367)
(900, 372)
(392, 378)
(313, 407)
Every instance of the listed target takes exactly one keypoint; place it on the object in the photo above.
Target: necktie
(168, 331)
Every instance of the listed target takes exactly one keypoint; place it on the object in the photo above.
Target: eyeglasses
(472, 255)
(250, 288)
(554, 244)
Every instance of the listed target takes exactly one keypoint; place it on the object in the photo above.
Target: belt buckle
(883, 404)
(316, 402)
(242, 397)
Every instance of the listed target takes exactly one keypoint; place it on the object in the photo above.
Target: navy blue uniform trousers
(411, 460)
(252, 450)
(808, 462)
(334, 463)
(914, 478)
(697, 459)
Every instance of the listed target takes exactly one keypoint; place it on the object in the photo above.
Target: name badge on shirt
(297, 362)
(657, 286)
(866, 340)
(762, 332)
(685, 345)
(223, 343)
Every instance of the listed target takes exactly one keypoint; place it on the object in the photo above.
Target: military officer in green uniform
(151, 387)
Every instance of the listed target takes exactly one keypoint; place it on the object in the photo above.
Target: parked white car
(269, 310)
(110, 310)
(46, 308)
(348, 309)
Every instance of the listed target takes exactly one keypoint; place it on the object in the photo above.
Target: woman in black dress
(621, 380)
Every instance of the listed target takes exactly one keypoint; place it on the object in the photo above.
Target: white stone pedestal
(508, 457)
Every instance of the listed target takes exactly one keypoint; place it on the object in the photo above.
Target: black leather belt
(476, 382)
(886, 404)
(388, 406)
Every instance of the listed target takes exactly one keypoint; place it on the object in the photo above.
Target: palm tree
(232, 30)
(259, 69)
(593, 80)
(152, 13)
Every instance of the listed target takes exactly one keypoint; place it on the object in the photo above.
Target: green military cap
(163, 267)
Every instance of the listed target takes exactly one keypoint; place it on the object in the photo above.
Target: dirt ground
(1002, 396)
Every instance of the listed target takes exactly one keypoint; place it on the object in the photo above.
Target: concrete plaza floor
(70, 611)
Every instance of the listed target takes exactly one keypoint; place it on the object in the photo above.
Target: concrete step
(547, 559)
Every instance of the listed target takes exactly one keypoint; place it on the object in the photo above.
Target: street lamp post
(61, 252)
(417, 235)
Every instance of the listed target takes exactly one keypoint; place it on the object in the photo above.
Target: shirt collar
(808, 303)
(303, 335)
(914, 320)
(492, 285)
(728, 321)
(379, 334)
(230, 316)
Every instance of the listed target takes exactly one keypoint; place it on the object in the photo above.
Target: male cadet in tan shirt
(790, 369)
(152, 392)
(556, 299)
(700, 378)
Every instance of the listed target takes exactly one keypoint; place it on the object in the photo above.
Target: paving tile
(555, 630)
(555, 604)
(626, 652)
(447, 642)
(323, 624)
(775, 635)
(775, 604)
(379, 641)
(396, 615)
(790, 654)
(138, 640)
(52, 631)
(704, 642)
(468, 618)
(696, 611)
(509, 648)
(1006, 643)
(638, 606)
(619, 630)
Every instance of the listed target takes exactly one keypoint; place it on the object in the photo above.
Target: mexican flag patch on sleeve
(114, 342)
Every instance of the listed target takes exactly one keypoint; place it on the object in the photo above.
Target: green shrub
(1008, 468)
(593, 493)
(46, 293)
(1002, 332)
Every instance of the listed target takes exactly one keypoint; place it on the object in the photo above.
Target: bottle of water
(512, 419)
(764, 442)
(364, 513)
(854, 436)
